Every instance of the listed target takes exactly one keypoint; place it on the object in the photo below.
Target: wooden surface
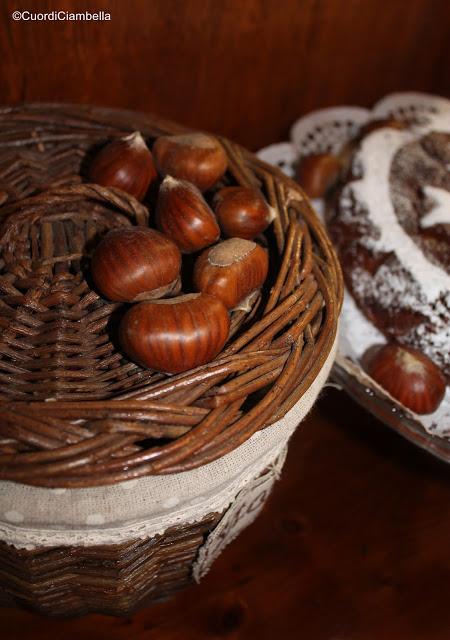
(353, 545)
(243, 68)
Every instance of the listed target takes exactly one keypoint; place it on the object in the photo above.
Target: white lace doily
(282, 155)
(143, 508)
(409, 107)
(329, 130)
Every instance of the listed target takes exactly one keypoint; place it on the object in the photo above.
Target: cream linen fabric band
(31, 517)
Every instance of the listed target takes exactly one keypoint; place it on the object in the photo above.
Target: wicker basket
(74, 412)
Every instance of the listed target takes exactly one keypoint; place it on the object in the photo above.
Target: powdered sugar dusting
(440, 213)
(373, 191)
(389, 287)
(406, 279)
(356, 333)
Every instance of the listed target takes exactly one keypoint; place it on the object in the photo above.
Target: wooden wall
(244, 68)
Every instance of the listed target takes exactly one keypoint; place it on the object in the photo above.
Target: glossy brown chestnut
(316, 174)
(125, 163)
(177, 334)
(135, 263)
(242, 212)
(195, 157)
(408, 375)
(231, 270)
(184, 216)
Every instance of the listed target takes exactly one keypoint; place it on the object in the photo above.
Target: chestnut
(242, 212)
(408, 375)
(231, 270)
(317, 173)
(196, 157)
(184, 216)
(374, 125)
(125, 163)
(135, 263)
(175, 335)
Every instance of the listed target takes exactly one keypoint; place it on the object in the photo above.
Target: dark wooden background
(243, 68)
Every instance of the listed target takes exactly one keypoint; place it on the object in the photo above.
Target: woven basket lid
(74, 411)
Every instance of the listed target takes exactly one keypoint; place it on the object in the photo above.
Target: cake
(391, 224)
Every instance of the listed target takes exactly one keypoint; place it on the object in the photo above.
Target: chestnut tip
(125, 163)
(183, 215)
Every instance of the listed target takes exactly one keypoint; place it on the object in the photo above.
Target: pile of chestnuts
(165, 328)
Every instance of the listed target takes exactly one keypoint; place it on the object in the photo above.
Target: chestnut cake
(391, 225)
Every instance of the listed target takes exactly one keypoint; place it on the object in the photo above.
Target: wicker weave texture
(112, 579)
(74, 411)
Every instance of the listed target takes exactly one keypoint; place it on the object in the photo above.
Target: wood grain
(353, 544)
(243, 69)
